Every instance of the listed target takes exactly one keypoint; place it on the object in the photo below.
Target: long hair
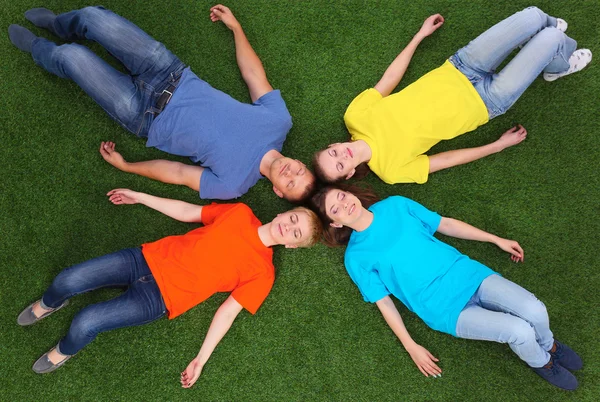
(361, 170)
(334, 237)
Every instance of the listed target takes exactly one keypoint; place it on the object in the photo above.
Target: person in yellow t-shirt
(391, 133)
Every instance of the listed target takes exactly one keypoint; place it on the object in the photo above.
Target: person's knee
(521, 332)
(91, 12)
(71, 53)
(68, 282)
(86, 324)
(535, 311)
(551, 36)
(536, 16)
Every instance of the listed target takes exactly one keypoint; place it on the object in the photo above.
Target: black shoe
(557, 375)
(566, 357)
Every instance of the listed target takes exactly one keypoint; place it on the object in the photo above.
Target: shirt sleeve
(212, 187)
(430, 220)
(367, 280)
(415, 171)
(252, 294)
(213, 211)
(363, 101)
(274, 102)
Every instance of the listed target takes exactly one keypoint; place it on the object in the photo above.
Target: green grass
(314, 338)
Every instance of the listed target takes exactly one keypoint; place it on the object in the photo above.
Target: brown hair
(316, 227)
(308, 191)
(360, 171)
(334, 237)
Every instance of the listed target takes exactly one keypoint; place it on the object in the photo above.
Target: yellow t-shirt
(400, 128)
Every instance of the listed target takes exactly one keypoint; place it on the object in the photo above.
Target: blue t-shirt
(228, 137)
(398, 254)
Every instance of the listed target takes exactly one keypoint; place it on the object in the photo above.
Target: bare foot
(56, 357)
(38, 310)
(107, 150)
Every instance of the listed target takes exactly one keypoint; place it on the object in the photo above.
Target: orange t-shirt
(225, 255)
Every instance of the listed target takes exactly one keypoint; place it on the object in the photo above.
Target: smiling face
(292, 228)
(338, 161)
(342, 208)
(290, 178)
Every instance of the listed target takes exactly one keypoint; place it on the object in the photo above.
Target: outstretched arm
(179, 210)
(219, 326)
(396, 70)
(162, 170)
(459, 229)
(424, 360)
(250, 65)
(456, 157)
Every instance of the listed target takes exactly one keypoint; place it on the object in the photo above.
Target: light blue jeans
(547, 49)
(127, 98)
(502, 311)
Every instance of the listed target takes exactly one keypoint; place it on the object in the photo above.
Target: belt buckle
(170, 95)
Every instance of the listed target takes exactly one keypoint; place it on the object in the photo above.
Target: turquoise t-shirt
(398, 254)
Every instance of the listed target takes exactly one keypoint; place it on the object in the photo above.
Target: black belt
(165, 97)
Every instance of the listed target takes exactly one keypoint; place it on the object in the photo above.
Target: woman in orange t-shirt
(230, 253)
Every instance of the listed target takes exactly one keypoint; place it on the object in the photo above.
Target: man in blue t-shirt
(234, 143)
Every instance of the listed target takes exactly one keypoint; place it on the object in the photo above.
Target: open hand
(431, 25)
(425, 361)
(512, 247)
(191, 373)
(222, 13)
(512, 137)
(107, 150)
(121, 196)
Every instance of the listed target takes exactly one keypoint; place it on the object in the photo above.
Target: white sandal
(578, 60)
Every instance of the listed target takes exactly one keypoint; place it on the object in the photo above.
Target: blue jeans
(547, 49)
(127, 98)
(141, 303)
(502, 311)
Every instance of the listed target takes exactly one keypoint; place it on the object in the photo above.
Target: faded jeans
(547, 50)
(127, 98)
(141, 303)
(502, 311)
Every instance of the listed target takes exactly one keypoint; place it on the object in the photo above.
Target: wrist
(124, 166)
(236, 28)
(418, 38)
(409, 345)
(494, 239)
(497, 146)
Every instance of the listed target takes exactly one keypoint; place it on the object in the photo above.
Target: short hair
(306, 194)
(316, 227)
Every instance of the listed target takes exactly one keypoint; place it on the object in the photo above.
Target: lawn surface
(314, 338)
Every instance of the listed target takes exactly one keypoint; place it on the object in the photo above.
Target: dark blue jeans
(141, 303)
(127, 98)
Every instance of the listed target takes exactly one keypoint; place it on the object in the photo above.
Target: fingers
(116, 190)
(432, 357)
(107, 147)
(434, 370)
(116, 199)
(430, 369)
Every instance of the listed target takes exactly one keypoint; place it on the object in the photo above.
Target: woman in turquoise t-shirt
(392, 251)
